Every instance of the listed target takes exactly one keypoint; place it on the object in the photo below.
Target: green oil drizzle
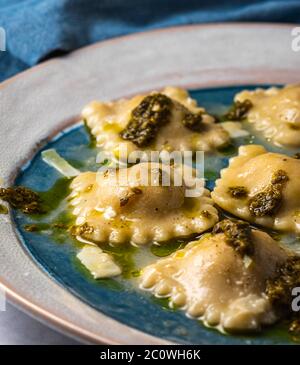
(123, 255)
(277, 333)
(92, 139)
(167, 248)
(76, 163)
(164, 303)
(54, 196)
(37, 227)
(3, 209)
(211, 175)
(228, 150)
(54, 222)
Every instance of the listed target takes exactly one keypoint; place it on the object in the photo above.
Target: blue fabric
(39, 29)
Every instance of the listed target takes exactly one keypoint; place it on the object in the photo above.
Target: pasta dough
(249, 189)
(276, 113)
(209, 280)
(107, 120)
(108, 211)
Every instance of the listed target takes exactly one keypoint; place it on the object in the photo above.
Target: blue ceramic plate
(39, 270)
(55, 251)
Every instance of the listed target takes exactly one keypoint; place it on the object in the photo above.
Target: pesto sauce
(268, 201)
(23, 199)
(238, 192)
(147, 118)
(238, 111)
(237, 235)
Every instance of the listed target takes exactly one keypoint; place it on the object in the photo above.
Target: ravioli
(211, 281)
(261, 187)
(275, 113)
(108, 120)
(107, 210)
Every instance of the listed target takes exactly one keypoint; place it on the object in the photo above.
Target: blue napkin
(40, 29)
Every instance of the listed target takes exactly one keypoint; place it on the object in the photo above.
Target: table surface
(18, 328)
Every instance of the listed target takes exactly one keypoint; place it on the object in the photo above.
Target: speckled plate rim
(41, 101)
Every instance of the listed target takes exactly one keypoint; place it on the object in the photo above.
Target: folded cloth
(38, 29)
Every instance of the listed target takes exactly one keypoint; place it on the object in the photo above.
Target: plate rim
(145, 33)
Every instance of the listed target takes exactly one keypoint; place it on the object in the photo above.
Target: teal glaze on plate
(119, 298)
